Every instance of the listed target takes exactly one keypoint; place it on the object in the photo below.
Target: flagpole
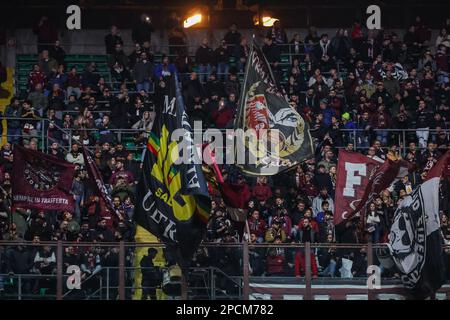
(243, 94)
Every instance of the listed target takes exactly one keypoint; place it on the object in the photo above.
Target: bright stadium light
(192, 20)
(269, 21)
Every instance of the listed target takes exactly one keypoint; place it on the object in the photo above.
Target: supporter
(164, 69)
(173, 21)
(192, 88)
(14, 125)
(121, 172)
(232, 38)
(204, 57)
(323, 48)
(75, 156)
(213, 86)
(29, 123)
(112, 39)
(90, 77)
(272, 52)
(142, 31)
(278, 35)
(261, 191)
(151, 275)
(275, 232)
(143, 73)
(59, 77)
(311, 39)
(296, 45)
(36, 77)
(306, 233)
(221, 55)
(47, 64)
(105, 130)
(118, 57)
(232, 85)
(58, 53)
(74, 83)
(46, 32)
(276, 260)
(320, 199)
(222, 117)
(242, 53)
(257, 226)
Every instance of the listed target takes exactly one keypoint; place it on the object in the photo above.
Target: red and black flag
(98, 186)
(41, 181)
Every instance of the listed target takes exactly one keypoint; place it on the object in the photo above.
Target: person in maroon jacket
(120, 172)
(381, 120)
(276, 260)
(262, 192)
(36, 77)
(257, 226)
(223, 116)
(46, 32)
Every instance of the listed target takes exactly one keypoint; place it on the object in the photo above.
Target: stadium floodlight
(192, 20)
(267, 21)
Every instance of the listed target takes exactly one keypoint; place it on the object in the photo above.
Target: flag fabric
(415, 240)
(353, 175)
(265, 109)
(173, 202)
(381, 179)
(360, 179)
(235, 195)
(99, 187)
(41, 181)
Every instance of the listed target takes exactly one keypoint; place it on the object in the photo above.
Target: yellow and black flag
(173, 202)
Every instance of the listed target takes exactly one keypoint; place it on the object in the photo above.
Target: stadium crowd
(351, 87)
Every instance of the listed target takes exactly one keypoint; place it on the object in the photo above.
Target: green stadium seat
(26, 57)
(284, 58)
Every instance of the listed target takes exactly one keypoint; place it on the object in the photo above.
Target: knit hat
(346, 116)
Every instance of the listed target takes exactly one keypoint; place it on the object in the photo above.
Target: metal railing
(360, 138)
(211, 282)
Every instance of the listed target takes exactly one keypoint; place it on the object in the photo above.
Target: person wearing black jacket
(142, 32)
(143, 73)
(241, 53)
(103, 233)
(58, 53)
(204, 57)
(271, 51)
(120, 112)
(296, 46)
(214, 86)
(151, 275)
(112, 39)
(323, 48)
(423, 124)
(221, 55)
(118, 56)
(232, 39)
(19, 260)
(192, 88)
